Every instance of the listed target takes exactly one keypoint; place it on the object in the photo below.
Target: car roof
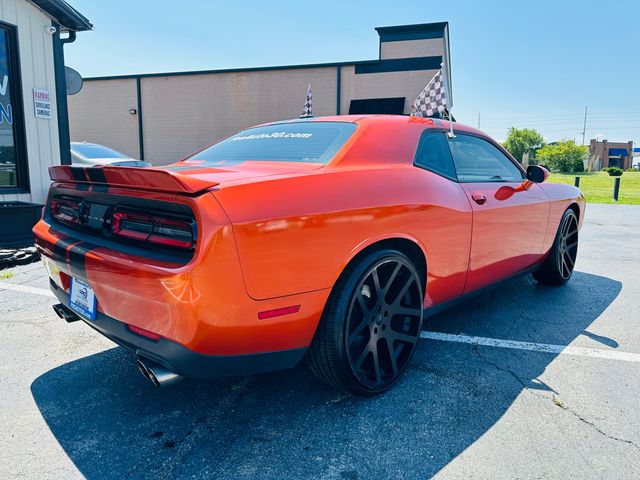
(392, 120)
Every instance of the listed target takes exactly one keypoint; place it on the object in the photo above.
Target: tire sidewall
(343, 299)
(549, 270)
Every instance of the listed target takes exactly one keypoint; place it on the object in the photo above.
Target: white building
(34, 131)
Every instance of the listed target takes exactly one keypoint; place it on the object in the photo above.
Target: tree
(523, 140)
(564, 156)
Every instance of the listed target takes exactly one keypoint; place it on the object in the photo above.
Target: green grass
(598, 187)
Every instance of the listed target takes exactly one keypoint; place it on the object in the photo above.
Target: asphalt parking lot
(73, 405)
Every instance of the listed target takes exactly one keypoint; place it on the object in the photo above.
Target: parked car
(94, 154)
(329, 238)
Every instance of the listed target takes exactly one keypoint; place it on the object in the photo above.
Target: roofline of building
(240, 70)
(416, 27)
(416, 31)
(64, 14)
(389, 33)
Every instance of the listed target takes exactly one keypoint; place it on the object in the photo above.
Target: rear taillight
(67, 210)
(154, 228)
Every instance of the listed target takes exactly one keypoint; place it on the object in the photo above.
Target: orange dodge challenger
(329, 238)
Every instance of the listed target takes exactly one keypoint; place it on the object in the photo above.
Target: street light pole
(584, 126)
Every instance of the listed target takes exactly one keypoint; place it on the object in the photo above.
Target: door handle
(479, 198)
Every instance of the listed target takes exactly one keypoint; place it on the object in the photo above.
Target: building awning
(618, 152)
(63, 13)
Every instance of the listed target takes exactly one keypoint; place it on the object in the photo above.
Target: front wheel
(558, 266)
(370, 325)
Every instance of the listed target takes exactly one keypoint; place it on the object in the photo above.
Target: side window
(477, 160)
(433, 154)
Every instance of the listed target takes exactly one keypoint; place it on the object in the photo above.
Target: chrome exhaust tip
(143, 369)
(159, 375)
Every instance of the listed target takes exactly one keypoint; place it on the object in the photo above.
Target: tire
(557, 268)
(370, 325)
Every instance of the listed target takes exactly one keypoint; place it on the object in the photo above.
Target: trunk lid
(225, 171)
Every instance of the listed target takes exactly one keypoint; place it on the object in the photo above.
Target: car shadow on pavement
(112, 423)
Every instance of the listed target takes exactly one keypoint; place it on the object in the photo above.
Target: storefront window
(12, 161)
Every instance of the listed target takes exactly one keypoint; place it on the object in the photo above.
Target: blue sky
(525, 64)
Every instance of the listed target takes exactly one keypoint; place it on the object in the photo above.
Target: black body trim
(419, 31)
(181, 360)
(441, 307)
(65, 14)
(400, 65)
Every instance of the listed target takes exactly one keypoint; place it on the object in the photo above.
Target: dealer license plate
(83, 299)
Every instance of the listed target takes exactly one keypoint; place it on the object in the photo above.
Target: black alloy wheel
(568, 246)
(371, 325)
(557, 268)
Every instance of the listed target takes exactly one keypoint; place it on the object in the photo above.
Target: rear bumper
(180, 359)
(202, 306)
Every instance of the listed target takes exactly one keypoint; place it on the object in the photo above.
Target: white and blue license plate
(82, 299)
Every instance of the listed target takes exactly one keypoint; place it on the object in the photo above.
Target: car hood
(226, 172)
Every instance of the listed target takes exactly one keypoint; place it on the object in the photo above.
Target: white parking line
(448, 337)
(26, 289)
(533, 347)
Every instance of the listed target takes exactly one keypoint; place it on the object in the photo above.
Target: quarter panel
(297, 234)
(561, 196)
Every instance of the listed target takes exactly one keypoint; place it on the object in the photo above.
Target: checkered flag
(307, 111)
(432, 100)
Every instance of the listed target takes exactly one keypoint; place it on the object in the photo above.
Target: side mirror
(537, 174)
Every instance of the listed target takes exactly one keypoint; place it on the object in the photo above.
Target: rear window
(310, 142)
(92, 150)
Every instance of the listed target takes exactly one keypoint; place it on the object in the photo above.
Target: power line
(578, 116)
(584, 126)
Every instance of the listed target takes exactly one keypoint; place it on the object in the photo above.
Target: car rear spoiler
(131, 177)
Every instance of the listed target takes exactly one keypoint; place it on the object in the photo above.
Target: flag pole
(450, 134)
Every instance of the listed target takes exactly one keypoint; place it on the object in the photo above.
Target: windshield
(92, 150)
(310, 142)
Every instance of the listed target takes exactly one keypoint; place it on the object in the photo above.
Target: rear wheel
(558, 266)
(370, 326)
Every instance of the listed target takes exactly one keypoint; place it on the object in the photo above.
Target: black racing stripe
(59, 254)
(77, 256)
(60, 251)
(78, 174)
(96, 174)
(83, 186)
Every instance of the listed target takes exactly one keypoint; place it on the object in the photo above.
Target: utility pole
(478, 120)
(584, 126)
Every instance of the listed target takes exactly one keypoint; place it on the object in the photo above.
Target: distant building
(161, 117)
(609, 154)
